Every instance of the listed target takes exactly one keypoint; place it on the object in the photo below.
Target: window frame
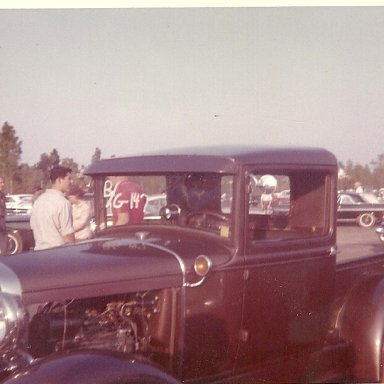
(252, 245)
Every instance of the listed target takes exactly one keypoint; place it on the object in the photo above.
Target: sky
(137, 80)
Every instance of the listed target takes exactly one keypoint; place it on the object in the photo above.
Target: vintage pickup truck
(229, 284)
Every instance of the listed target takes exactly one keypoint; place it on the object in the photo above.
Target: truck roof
(223, 159)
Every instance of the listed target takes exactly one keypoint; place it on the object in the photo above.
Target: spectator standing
(128, 201)
(358, 187)
(266, 202)
(3, 213)
(51, 217)
(82, 213)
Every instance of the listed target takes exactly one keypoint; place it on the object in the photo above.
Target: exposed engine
(119, 323)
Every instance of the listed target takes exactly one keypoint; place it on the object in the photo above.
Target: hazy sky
(135, 80)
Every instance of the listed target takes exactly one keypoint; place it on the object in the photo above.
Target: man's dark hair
(59, 171)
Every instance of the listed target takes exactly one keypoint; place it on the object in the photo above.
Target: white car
(20, 204)
(153, 205)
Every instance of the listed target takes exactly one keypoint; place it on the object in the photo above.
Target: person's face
(196, 185)
(65, 183)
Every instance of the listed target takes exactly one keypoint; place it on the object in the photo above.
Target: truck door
(289, 263)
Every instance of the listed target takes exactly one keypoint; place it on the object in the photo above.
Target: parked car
(20, 236)
(282, 198)
(20, 204)
(153, 205)
(362, 208)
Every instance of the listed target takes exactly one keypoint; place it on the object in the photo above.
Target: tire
(15, 243)
(366, 220)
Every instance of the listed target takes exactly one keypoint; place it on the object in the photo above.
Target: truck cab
(270, 286)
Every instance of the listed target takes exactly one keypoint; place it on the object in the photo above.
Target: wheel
(15, 243)
(366, 220)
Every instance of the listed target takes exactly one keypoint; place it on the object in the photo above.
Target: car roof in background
(367, 196)
(370, 197)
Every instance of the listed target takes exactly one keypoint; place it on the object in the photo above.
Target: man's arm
(68, 233)
(68, 239)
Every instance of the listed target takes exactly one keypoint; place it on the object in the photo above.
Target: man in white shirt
(51, 217)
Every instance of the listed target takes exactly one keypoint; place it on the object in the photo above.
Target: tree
(70, 163)
(96, 156)
(10, 152)
(378, 172)
(46, 163)
(27, 179)
(54, 158)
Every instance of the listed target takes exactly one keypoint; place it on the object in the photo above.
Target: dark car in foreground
(361, 208)
(217, 286)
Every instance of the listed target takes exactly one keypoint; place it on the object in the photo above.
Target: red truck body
(221, 285)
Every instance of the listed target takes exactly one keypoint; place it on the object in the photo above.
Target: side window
(287, 205)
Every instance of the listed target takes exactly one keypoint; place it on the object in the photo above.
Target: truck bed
(349, 272)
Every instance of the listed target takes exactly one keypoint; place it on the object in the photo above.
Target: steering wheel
(200, 219)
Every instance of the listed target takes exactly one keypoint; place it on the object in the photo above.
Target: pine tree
(10, 152)
(96, 156)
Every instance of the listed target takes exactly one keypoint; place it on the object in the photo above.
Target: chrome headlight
(12, 319)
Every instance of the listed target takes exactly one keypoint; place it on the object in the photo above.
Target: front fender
(361, 323)
(90, 367)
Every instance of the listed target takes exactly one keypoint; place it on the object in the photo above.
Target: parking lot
(355, 242)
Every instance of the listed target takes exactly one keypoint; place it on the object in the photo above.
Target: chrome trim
(182, 304)
(9, 281)
(12, 320)
(181, 263)
(166, 250)
(193, 285)
(333, 251)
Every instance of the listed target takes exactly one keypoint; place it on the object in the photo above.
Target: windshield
(201, 201)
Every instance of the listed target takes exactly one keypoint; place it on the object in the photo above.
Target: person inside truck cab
(126, 200)
(201, 193)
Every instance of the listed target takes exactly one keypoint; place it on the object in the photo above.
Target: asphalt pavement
(356, 242)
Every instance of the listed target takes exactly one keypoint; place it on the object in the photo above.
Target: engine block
(120, 323)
